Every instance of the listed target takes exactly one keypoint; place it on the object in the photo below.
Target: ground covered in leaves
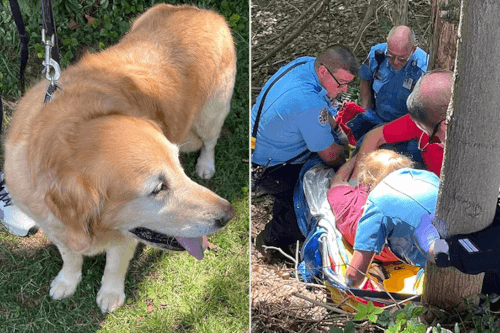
(279, 302)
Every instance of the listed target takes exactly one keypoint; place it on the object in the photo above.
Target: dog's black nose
(225, 216)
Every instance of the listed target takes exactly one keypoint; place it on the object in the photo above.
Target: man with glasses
(425, 123)
(291, 119)
(388, 76)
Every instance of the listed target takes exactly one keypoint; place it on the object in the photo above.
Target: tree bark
(402, 6)
(366, 21)
(470, 176)
(443, 46)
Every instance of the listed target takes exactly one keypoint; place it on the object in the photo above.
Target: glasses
(432, 137)
(400, 59)
(340, 84)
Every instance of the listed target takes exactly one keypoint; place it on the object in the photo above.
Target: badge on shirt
(407, 83)
(323, 116)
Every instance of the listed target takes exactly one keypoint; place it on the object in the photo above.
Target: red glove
(348, 111)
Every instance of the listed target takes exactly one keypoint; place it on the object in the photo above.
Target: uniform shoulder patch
(323, 116)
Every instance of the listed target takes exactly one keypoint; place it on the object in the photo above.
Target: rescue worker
(411, 126)
(388, 76)
(291, 119)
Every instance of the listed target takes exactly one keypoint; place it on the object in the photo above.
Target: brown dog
(97, 167)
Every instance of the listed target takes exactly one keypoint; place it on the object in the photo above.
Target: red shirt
(404, 129)
(347, 205)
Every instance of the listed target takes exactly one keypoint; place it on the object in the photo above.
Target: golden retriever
(97, 167)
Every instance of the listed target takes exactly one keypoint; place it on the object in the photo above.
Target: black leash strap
(259, 112)
(50, 27)
(51, 51)
(23, 44)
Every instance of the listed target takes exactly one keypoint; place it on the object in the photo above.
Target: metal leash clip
(49, 62)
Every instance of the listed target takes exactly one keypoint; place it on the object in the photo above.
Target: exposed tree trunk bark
(366, 21)
(402, 6)
(471, 173)
(444, 42)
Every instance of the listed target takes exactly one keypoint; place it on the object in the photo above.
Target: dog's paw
(205, 170)
(110, 299)
(63, 286)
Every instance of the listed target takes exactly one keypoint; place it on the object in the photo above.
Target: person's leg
(283, 229)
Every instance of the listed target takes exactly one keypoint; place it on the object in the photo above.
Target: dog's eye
(159, 188)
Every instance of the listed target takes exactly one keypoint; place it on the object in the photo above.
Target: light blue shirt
(392, 87)
(394, 210)
(294, 116)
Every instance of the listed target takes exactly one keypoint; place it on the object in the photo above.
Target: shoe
(16, 222)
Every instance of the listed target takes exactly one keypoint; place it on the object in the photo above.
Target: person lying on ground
(348, 199)
(398, 213)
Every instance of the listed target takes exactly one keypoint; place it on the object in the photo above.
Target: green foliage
(403, 320)
(368, 311)
(482, 318)
(349, 328)
(353, 91)
(111, 19)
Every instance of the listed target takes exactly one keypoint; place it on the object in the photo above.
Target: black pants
(279, 181)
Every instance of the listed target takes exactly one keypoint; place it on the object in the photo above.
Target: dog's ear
(75, 201)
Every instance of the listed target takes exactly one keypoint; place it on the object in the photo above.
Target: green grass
(166, 291)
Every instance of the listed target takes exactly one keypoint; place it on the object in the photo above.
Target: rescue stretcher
(326, 254)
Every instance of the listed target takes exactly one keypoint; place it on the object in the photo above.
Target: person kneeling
(398, 213)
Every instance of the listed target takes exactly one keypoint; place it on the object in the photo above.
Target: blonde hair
(378, 164)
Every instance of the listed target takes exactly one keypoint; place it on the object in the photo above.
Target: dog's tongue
(195, 246)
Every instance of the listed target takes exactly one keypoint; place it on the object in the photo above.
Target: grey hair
(429, 111)
(413, 37)
(417, 109)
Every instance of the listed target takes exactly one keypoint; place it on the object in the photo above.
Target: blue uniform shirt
(294, 116)
(394, 210)
(392, 88)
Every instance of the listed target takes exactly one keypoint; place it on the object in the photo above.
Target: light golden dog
(97, 167)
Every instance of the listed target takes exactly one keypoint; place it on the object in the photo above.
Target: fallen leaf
(73, 25)
(90, 19)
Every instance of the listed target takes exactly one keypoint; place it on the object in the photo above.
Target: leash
(49, 39)
(51, 50)
(23, 43)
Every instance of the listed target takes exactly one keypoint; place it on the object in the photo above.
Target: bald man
(425, 122)
(388, 76)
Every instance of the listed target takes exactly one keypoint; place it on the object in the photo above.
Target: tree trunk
(470, 176)
(443, 46)
(366, 21)
(402, 6)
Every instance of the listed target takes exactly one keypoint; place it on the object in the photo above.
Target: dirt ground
(279, 302)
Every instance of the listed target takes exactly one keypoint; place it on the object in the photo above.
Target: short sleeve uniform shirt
(394, 209)
(294, 116)
(392, 87)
